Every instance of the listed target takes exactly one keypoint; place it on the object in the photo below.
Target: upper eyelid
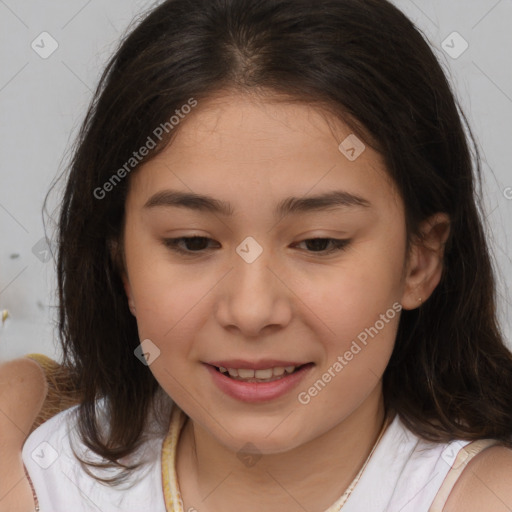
(191, 237)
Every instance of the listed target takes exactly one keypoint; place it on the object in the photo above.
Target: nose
(254, 298)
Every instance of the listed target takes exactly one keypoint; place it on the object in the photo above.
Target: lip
(254, 392)
(262, 364)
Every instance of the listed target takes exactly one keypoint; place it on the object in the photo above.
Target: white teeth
(267, 373)
(261, 374)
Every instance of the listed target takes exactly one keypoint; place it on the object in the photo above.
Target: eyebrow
(291, 205)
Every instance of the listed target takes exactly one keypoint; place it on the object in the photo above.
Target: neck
(310, 477)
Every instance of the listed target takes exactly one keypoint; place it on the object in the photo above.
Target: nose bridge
(253, 297)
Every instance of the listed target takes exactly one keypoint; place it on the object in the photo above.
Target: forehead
(246, 127)
(253, 149)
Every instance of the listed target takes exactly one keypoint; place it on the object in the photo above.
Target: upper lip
(263, 364)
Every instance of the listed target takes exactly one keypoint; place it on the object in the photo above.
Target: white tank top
(405, 472)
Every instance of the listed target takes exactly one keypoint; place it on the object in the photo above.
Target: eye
(194, 244)
(198, 244)
(318, 245)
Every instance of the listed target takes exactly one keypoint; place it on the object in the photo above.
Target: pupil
(195, 243)
(323, 242)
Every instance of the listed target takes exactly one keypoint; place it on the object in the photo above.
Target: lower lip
(257, 391)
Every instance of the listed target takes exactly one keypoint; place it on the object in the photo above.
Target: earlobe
(128, 291)
(425, 262)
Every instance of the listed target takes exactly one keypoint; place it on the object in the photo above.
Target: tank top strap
(464, 456)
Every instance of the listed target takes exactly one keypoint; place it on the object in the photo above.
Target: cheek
(165, 294)
(168, 299)
(352, 295)
(358, 305)
(171, 306)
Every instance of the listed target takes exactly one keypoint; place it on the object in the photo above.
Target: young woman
(276, 289)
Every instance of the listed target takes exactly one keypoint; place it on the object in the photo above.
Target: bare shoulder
(485, 484)
(22, 391)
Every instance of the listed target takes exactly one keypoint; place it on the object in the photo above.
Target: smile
(268, 382)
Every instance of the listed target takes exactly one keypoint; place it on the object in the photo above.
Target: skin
(485, 484)
(291, 303)
(22, 392)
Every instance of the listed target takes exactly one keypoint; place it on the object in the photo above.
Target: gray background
(43, 101)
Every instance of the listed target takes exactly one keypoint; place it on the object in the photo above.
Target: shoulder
(485, 484)
(22, 391)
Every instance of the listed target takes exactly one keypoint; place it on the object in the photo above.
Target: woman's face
(255, 291)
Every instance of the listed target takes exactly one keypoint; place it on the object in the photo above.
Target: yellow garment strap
(172, 495)
(465, 455)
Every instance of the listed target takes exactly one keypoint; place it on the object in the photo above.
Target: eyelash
(172, 243)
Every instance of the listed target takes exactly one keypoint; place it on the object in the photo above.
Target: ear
(118, 260)
(128, 291)
(424, 266)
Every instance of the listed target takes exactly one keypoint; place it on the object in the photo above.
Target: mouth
(257, 382)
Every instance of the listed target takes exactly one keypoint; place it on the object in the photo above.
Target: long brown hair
(450, 375)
